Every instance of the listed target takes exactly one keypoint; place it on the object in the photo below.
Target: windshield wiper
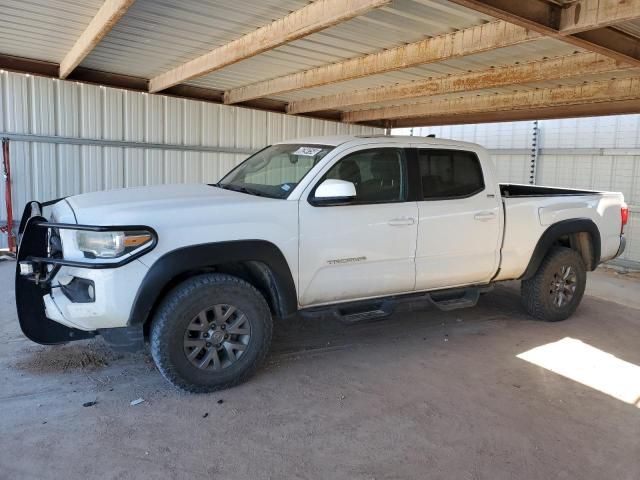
(238, 188)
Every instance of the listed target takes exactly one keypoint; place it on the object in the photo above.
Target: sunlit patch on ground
(589, 366)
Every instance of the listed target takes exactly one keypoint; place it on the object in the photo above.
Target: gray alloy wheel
(217, 337)
(563, 286)
(210, 332)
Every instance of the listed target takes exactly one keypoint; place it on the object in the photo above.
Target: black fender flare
(557, 230)
(194, 257)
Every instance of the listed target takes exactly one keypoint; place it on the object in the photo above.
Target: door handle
(484, 216)
(399, 222)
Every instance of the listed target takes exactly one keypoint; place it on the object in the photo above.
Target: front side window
(449, 174)
(379, 174)
(275, 171)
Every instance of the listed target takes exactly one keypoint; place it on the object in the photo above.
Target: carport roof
(377, 62)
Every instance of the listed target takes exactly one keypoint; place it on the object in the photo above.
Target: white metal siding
(43, 106)
(600, 153)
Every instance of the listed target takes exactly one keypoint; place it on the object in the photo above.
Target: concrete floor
(424, 394)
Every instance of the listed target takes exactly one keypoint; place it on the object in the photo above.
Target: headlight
(110, 244)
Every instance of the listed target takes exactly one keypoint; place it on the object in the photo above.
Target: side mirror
(334, 192)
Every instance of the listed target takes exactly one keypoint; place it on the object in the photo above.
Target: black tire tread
(533, 290)
(159, 344)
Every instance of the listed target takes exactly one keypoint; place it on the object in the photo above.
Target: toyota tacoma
(349, 226)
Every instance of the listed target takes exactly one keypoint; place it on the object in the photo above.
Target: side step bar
(365, 313)
(450, 300)
(354, 312)
(370, 310)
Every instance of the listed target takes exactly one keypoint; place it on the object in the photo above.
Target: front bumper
(47, 311)
(114, 294)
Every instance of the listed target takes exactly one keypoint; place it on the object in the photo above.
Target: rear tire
(556, 289)
(211, 332)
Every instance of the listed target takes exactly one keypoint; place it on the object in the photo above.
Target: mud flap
(29, 295)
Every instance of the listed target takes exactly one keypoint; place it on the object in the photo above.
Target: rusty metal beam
(596, 92)
(584, 23)
(577, 65)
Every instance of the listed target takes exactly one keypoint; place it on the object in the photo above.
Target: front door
(365, 248)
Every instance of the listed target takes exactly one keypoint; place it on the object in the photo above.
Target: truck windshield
(275, 171)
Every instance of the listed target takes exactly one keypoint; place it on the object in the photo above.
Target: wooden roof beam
(584, 23)
(576, 65)
(619, 90)
(312, 18)
(108, 15)
(480, 38)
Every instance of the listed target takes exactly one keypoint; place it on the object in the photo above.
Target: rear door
(459, 230)
(365, 248)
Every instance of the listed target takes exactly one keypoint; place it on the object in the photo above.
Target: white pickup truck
(345, 225)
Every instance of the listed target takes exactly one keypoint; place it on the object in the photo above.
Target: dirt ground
(423, 395)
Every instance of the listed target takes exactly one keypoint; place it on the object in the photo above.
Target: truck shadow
(302, 334)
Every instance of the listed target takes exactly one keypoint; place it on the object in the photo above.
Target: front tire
(211, 332)
(556, 289)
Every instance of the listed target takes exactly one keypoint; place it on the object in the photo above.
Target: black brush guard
(30, 289)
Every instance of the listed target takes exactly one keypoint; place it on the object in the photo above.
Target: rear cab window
(449, 174)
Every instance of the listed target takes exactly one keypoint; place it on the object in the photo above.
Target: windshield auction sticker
(307, 151)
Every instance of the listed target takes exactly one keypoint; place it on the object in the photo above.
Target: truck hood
(136, 205)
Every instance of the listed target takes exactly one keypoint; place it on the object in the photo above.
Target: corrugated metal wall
(601, 153)
(50, 107)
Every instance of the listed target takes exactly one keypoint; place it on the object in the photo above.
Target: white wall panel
(512, 168)
(44, 106)
(599, 172)
(633, 237)
(621, 131)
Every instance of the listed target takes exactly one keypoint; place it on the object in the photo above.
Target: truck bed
(511, 190)
(530, 210)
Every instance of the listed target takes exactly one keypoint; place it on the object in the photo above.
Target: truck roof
(354, 140)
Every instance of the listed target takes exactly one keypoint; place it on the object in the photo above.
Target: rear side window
(449, 174)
